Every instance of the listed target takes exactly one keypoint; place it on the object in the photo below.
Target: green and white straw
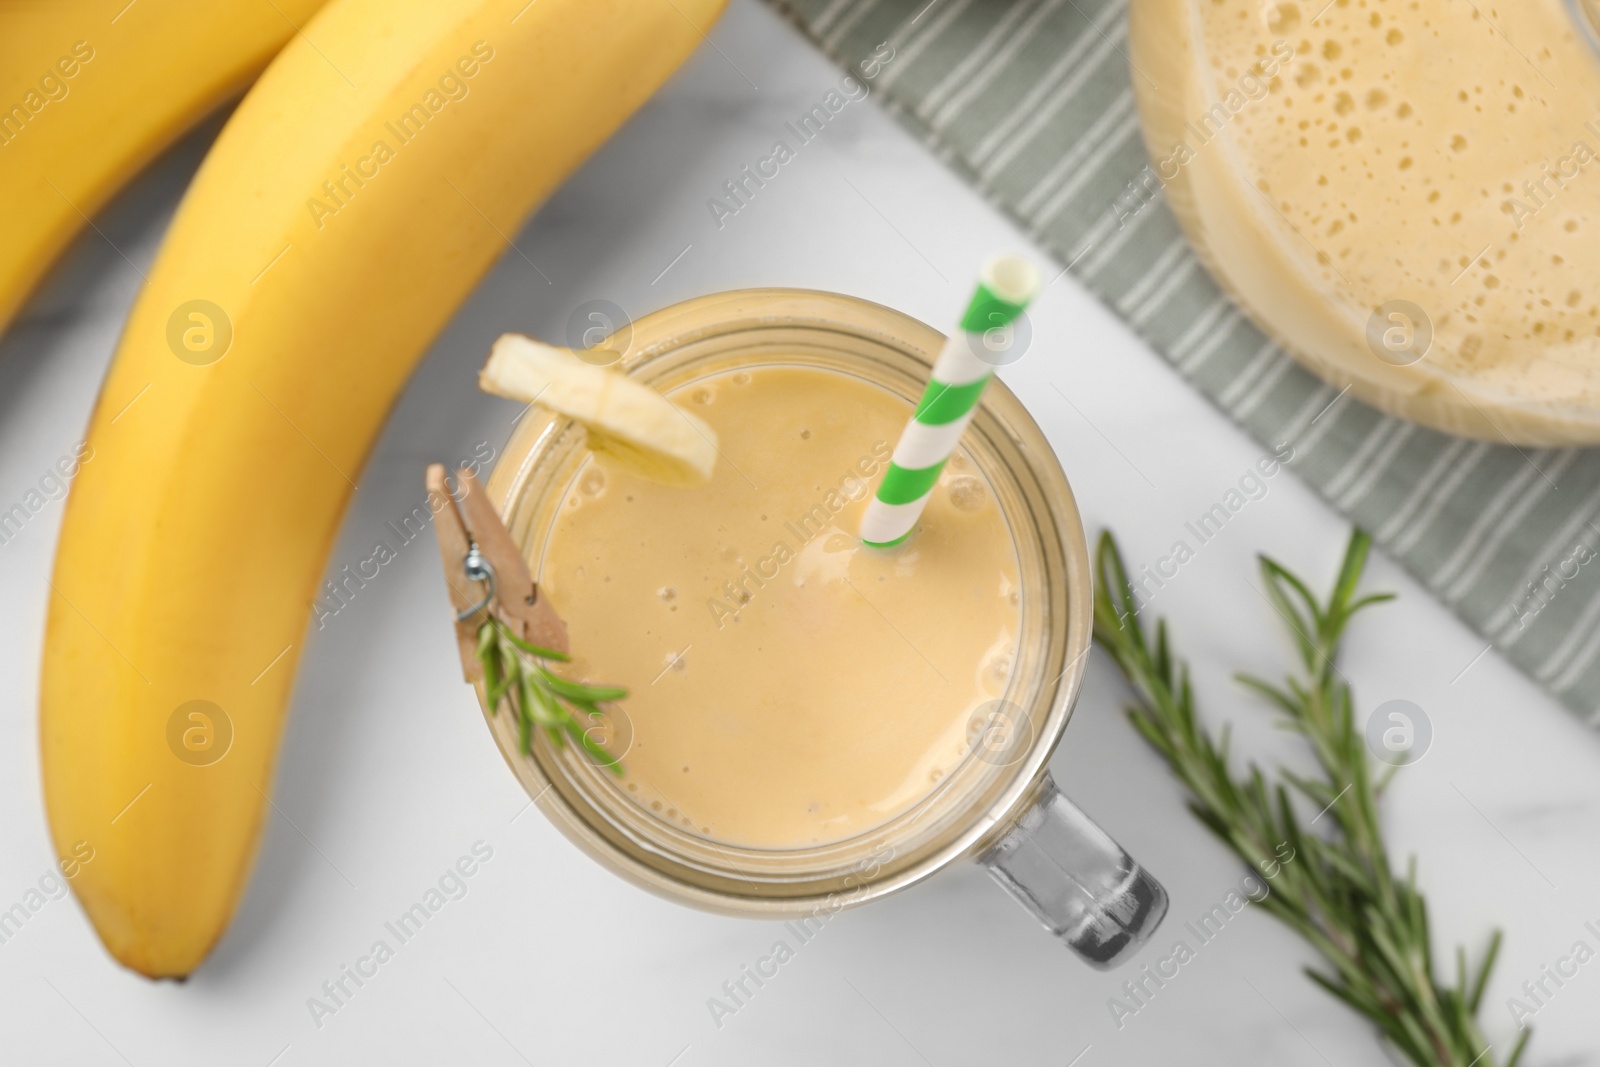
(965, 364)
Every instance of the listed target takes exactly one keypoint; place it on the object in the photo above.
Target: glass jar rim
(1587, 14)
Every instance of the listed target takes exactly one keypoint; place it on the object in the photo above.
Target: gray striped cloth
(1032, 102)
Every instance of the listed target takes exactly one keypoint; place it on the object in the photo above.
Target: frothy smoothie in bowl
(1405, 195)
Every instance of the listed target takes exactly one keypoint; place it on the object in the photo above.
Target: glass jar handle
(1076, 880)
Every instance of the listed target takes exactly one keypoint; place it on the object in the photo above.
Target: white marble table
(388, 775)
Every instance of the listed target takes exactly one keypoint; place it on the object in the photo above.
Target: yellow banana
(350, 204)
(91, 90)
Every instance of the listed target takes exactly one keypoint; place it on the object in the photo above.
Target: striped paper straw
(965, 364)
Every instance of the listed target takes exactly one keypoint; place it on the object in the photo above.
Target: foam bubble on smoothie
(967, 492)
(1416, 155)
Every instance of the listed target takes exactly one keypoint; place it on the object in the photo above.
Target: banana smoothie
(1406, 195)
(788, 687)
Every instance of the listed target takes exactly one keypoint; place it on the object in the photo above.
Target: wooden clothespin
(485, 572)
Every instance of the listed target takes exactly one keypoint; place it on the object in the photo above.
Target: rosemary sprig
(538, 696)
(1339, 894)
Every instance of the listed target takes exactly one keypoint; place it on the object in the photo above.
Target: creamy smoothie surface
(788, 687)
(1439, 152)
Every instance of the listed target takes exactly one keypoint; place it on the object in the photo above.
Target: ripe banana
(350, 204)
(91, 90)
(630, 424)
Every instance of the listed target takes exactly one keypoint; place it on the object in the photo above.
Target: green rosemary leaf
(1476, 996)
(1317, 792)
(595, 694)
(589, 709)
(536, 651)
(598, 752)
(496, 694)
(1368, 601)
(1277, 576)
(549, 713)
(1517, 1049)
(1355, 561)
(492, 689)
(521, 704)
(1271, 692)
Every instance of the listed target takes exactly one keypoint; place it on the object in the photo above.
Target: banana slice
(632, 425)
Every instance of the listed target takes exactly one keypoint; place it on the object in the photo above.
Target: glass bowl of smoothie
(811, 723)
(1406, 196)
